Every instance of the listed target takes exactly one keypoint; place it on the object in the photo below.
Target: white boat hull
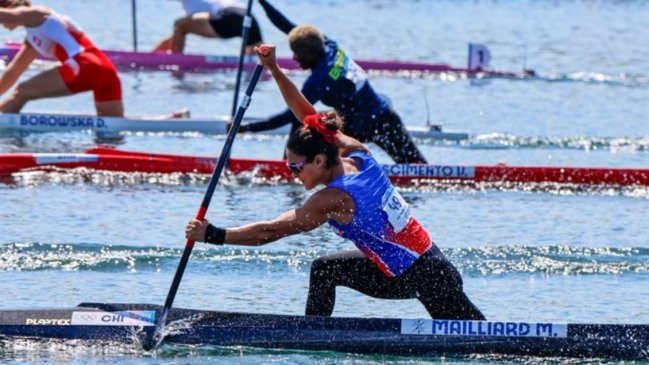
(57, 122)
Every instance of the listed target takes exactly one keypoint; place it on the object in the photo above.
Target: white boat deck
(60, 122)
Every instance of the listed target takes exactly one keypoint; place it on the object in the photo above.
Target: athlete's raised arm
(296, 101)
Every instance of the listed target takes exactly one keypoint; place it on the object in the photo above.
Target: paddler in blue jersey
(395, 259)
(337, 81)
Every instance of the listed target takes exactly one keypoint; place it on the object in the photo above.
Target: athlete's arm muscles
(17, 66)
(296, 101)
(347, 144)
(313, 91)
(11, 16)
(287, 117)
(315, 212)
(301, 103)
(278, 19)
(273, 122)
(22, 15)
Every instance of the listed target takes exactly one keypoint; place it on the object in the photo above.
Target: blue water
(541, 253)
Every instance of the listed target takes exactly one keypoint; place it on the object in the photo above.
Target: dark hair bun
(332, 121)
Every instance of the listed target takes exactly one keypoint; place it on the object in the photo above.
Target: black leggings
(228, 23)
(432, 279)
(391, 135)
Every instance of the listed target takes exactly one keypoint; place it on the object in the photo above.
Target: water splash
(427, 185)
(115, 178)
(110, 179)
(551, 260)
(586, 143)
(69, 257)
(586, 77)
(35, 351)
(483, 261)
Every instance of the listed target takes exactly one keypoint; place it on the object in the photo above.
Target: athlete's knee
(328, 272)
(181, 25)
(320, 268)
(22, 92)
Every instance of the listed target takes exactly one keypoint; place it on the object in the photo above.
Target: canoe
(110, 159)
(130, 323)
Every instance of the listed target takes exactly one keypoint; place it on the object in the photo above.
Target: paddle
(150, 343)
(134, 20)
(247, 22)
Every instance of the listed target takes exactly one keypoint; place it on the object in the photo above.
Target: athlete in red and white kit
(83, 66)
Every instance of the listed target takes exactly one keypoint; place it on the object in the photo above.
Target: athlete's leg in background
(110, 108)
(198, 24)
(394, 139)
(47, 84)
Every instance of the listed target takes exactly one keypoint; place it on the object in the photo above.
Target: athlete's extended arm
(278, 19)
(295, 100)
(17, 67)
(23, 15)
(273, 122)
(316, 211)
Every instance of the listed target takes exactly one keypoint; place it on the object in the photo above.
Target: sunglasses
(296, 167)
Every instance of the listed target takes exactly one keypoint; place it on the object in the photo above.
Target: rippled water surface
(529, 253)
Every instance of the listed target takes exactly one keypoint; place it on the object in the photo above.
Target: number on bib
(396, 208)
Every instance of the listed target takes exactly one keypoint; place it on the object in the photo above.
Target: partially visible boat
(62, 122)
(130, 323)
(110, 159)
(129, 60)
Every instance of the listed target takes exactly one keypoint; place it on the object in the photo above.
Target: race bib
(356, 74)
(346, 67)
(396, 208)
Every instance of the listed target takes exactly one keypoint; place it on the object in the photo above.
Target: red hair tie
(315, 121)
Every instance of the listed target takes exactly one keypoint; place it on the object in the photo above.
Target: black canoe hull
(108, 322)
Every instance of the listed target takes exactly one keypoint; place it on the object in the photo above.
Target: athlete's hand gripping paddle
(152, 342)
(266, 54)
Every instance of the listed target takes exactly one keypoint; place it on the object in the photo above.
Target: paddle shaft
(134, 20)
(247, 23)
(200, 215)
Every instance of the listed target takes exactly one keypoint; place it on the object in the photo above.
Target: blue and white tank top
(382, 226)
